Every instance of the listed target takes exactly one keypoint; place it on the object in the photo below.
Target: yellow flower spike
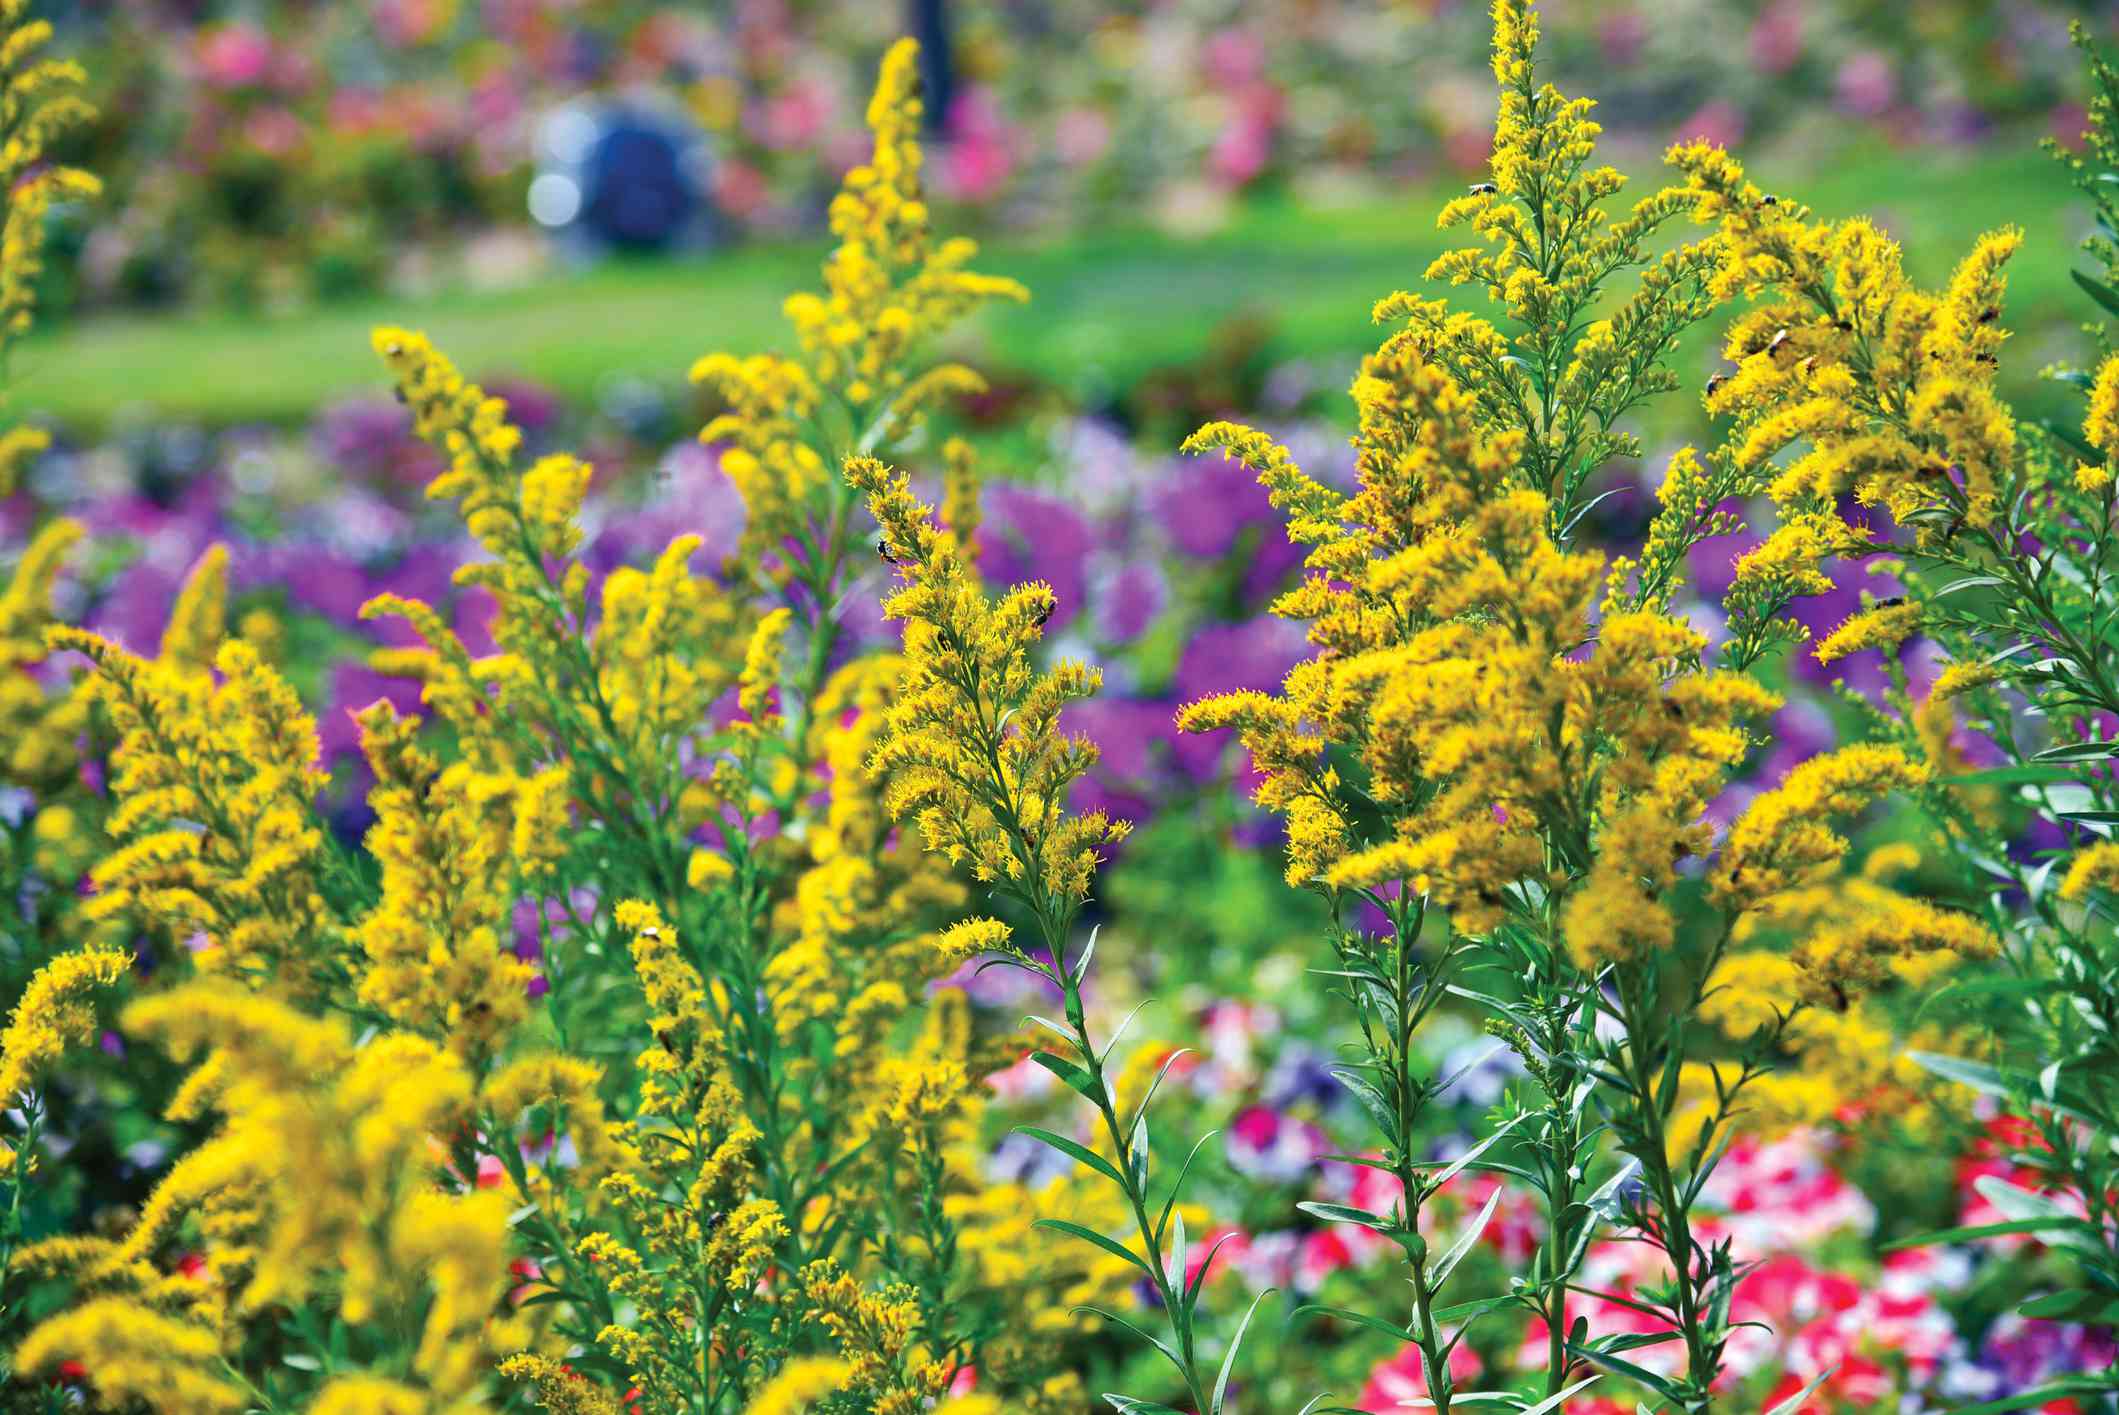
(758, 686)
(2100, 424)
(317, 1183)
(560, 1389)
(974, 752)
(468, 427)
(198, 620)
(1783, 834)
(133, 1353)
(439, 940)
(1890, 388)
(889, 285)
(214, 790)
(370, 1395)
(2093, 868)
(56, 1011)
(1883, 627)
(459, 1242)
(674, 989)
(800, 1384)
(960, 510)
(552, 494)
(26, 603)
(972, 937)
(40, 110)
(41, 733)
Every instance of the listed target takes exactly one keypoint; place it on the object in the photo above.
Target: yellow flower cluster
(876, 1333)
(2096, 867)
(450, 842)
(56, 1010)
(1890, 387)
(1883, 626)
(37, 108)
(972, 748)
(1849, 938)
(318, 1181)
(1572, 370)
(620, 687)
(560, 1389)
(1448, 622)
(214, 791)
(1784, 839)
(888, 285)
(40, 731)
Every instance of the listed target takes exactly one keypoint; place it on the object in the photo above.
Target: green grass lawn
(1107, 305)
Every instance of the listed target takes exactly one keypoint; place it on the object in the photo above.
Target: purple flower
(1029, 535)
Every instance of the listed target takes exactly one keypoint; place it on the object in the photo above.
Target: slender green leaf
(1343, 1213)
(1795, 1402)
(1076, 1077)
(1469, 1236)
(1169, 1352)
(1080, 1153)
(2023, 1399)
(1090, 1235)
(1639, 1374)
(1983, 1230)
(1556, 1400)
(2079, 752)
(1228, 1360)
(2104, 295)
(1346, 1314)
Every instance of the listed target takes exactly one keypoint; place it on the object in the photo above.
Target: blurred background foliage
(1153, 169)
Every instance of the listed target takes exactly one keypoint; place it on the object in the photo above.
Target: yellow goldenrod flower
(41, 732)
(888, 286)
(131, 1353)
(439, 940)
(215, 811)
(1891, 388)
(2094, 868)
(560, 1390)
(57, 1010)
(974, 751)
(972, 937)
(1447, 621)
(1882, 627)
(1962, 678)
(800, 1384)
(1784, 835)
(38, 108)
(198, 620)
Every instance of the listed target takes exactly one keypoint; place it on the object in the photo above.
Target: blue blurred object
(623, 176)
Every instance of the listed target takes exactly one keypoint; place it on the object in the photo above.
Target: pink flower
(739, 188)
(1082, 135)
(1264, 1144)
(1865, 85)
(978, 162)
(791, 119)
(234, 56)
(1235, 58)
(1777, 37)
(1021, 1081)
(274, 130)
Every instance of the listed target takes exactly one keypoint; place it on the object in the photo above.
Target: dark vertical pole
(929, 24)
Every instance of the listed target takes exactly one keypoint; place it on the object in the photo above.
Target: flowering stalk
(976, 756)
(38, 107)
